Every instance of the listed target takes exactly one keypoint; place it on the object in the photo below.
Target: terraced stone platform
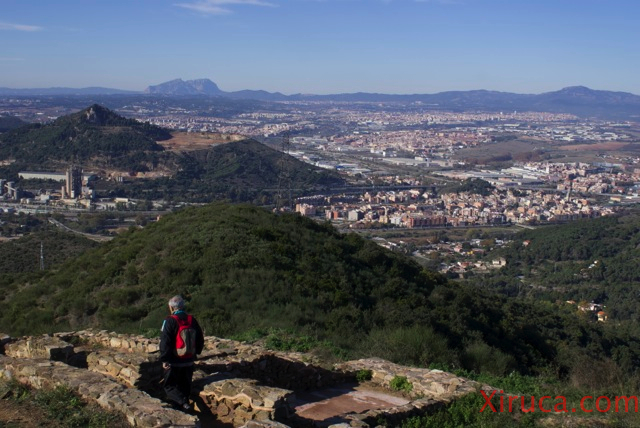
(235, 384)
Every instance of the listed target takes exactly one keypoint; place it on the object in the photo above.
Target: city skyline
(323, 46)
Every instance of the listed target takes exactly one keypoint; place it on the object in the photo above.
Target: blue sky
(323, 46)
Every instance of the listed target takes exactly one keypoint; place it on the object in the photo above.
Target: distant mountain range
(93, 90)
(577, 100)
(179, 87)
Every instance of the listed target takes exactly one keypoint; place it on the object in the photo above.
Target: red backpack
(185, 338)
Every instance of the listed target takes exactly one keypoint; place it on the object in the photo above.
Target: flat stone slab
(328, 404)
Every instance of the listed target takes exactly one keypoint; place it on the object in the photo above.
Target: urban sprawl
(404, 153)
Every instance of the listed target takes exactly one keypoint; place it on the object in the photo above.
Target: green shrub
(465, 412)
(414, 346)
(250, 336)
(482, 358)
(364, 375)
(400, 383)
(65, 406)
(280, 340)
(14, 390)
(152, 333)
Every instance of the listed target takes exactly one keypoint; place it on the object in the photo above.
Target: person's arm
(167, 337)
(199, 337)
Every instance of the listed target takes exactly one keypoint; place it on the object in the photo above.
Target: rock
(229, 389)
(262, 415)
(222, 410)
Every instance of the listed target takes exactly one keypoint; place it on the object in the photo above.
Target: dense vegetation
(240, 171)
(20, 257)
(590, 260)
(95, 132)
(98, 139)
(23, 255)
(246, 270)
(250, 163)
(470, 185)
(8, 123)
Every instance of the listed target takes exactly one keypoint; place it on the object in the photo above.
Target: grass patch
(465, 413)
(63, 406)
(364, 375)
(400, 383)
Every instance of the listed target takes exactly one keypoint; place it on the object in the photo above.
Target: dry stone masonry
(234, 384)
(140, 409)
(40, 347)
(239, 400)
(430, 390)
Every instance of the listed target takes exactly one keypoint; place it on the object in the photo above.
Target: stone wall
(283, 371)
(39, 347)
(237, 401)
(425, 382)
(133, 370)
(140, 409)
(105, 339)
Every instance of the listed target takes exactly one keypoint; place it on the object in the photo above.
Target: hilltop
(95, 136)
(101, 140)
(189, 87)
(7, 123)
(250, 164)
(240, 171)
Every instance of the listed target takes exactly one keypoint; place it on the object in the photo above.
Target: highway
(97, 238)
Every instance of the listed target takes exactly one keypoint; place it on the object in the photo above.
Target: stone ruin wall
(240, 384)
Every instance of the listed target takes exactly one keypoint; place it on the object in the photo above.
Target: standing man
(180, 342)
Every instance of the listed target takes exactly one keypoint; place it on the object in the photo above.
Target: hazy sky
(323, 46)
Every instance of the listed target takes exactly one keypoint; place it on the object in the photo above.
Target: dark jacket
(168, 340)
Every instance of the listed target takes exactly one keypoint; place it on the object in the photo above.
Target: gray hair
(176, 302)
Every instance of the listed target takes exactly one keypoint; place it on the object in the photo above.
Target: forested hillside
(8, 123)
(248, 163)
(95, 135)
(244, 269)
(589, 260)
(101, 141)
(23, 255)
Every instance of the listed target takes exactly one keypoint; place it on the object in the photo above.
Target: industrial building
(42, 175)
